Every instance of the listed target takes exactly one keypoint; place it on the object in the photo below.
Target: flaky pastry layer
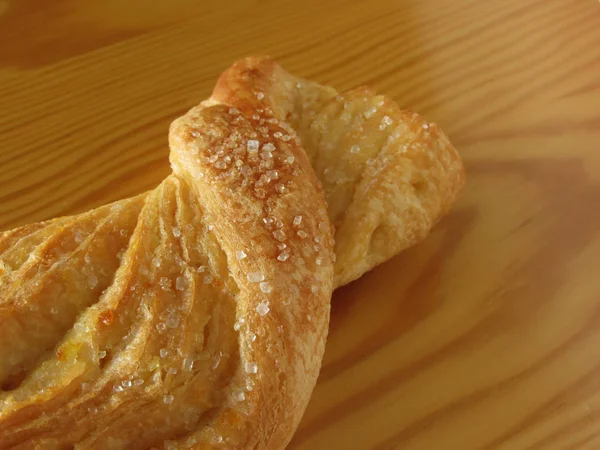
(195, 315)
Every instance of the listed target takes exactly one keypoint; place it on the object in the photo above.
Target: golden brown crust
(388, 175)
(195, 315)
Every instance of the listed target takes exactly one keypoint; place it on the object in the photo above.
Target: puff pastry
(195, 315)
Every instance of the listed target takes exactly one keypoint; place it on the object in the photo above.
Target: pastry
(195, 315)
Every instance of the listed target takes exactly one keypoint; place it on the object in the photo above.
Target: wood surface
(486, 335)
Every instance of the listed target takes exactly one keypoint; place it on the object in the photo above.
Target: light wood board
(486, 335)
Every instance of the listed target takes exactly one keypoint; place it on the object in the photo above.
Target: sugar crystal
(370, 112)
(255, 277)
(251, 367)
(165, 283)
(217, 360)
(187, 365)
(180, 283)
(172, 322)
(252, 146)
(272, 174)
(385, 122)
(263, 308)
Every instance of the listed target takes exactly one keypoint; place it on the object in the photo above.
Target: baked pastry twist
(195, 315)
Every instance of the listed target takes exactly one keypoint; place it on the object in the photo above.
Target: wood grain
(486, 335)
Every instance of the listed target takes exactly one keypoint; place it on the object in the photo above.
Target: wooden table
(486, 335)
